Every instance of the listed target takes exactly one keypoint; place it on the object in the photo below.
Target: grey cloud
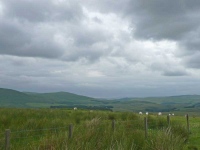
(175, 73)
(86, 37)
(192, 40)
(107, 6)
(46, 10)
(12, 36)
(169, 68)
(193, 61)
(156, 19)
(160, 19)
(160, 30)
(98, 20)
(84, 54)
(30, 39)
(172, 20)
(88, 53)
(29, 28)
(18, 39)
(89, 44)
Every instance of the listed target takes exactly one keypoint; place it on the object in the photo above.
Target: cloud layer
(101, 48)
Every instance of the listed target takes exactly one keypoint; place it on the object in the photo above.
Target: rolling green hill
(183, 103)
(62, 97)
(13, 98)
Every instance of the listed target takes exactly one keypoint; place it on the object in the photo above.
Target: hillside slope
(13, 98)
(62, 97)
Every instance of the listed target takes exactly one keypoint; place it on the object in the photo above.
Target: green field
(47, 129)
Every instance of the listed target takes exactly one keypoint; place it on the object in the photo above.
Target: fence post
(7, 139)
(168, 120)
(145, 127)
(70, 130)
(113, 125)
(188, 125)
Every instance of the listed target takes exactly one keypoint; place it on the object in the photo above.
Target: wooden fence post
(188, 125)
(113, 125)
(7, 139)
(168, 120)
(145, 127)
(70, 130)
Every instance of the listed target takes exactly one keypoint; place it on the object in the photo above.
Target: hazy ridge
(13, 98)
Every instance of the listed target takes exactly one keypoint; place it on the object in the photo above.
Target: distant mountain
(183, 103)
(186, 99)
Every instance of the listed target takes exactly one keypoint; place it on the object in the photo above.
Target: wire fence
(26, 137)
(33, 137)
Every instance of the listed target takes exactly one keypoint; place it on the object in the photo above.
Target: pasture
(102, 130)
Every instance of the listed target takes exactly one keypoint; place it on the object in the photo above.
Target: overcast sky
(101, 48)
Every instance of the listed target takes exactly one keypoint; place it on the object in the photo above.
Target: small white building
(140, 113)
(159, 113)
(147, 113)
(75, 108)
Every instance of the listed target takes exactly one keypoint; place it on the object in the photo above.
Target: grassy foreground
(47, 129)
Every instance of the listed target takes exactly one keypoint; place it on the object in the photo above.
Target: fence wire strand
(37, 135)
(45, 129)
(18, 137)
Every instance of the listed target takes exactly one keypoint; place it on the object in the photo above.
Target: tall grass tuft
(166, 139)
